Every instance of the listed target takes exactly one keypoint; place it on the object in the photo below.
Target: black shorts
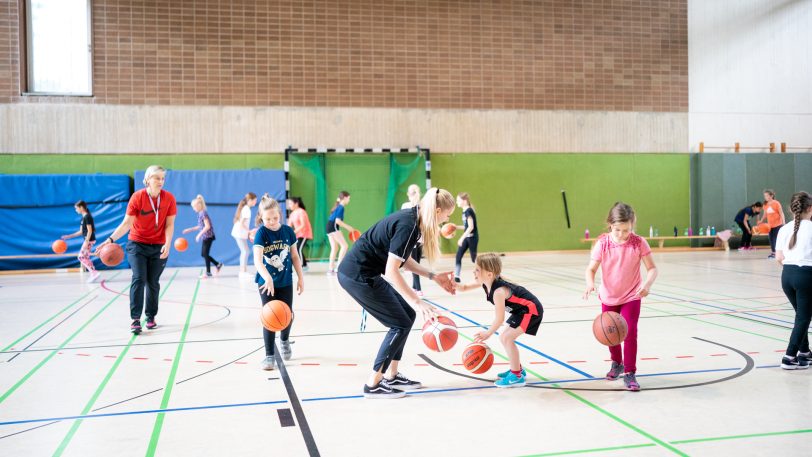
(331, 227)
(526, 321)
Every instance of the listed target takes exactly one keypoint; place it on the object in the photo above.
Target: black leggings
(773, 237)
(467, 243)
(746, 236)
(204, 252)
(417, 253)
(286, 295)
(300, 244)
(797, 284)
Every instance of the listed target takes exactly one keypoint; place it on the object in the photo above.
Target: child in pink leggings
(88, 232)
(619, 254)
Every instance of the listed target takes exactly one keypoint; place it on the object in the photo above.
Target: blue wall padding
(37, 209)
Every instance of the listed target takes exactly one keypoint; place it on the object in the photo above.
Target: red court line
(204, 361)
(538, 363)
(140, 358)
(310, 364)
(421, 364)
(167, 360)
(348, 364)
(649, 358)
(110, 357)
(241, 363)
(576, 361)
(753, 353)
(685, 357)
(83, 355)
(718, 355)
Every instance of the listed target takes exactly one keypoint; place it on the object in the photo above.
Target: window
(59, 53)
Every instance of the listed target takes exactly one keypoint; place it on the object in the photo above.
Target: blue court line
(549, 357)
(348, 397)
(343, 397)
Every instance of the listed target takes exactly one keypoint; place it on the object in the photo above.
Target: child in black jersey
(470, 236)
(525, 311)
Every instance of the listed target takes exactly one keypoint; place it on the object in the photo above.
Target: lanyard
(149, 197)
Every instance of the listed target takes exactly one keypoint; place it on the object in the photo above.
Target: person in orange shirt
(301, 225)
(774, 215)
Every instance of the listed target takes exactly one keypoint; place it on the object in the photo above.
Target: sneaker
(631, 382)
(93, 276)
(205, 275)
(217, 268)
(615, 371)
(135, 327)
(286, 352)
(151, 323)
(505, 373)
(268, 363)
(511, 380)
(305, 268)
(401, 382)
(806, 355)
(382, 390)
(771, 256)
(794, 363)
(330, 272)
(418, 292)
(456, 279)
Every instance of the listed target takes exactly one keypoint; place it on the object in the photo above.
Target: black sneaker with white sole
(402, 382)
(383, 391)
(794, 363)
(806, 355)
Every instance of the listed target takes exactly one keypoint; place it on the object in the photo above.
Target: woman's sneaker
(135, 327)
(631, 382)
(805, 355)
(286, 351)
(217, 268)
(511, 380)
(151, 323)
(794, 363)
(268, 363)
(402, 382)
(382, 390)
(615, 371)
(505, 373)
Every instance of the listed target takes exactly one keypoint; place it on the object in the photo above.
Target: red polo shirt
(147, 228)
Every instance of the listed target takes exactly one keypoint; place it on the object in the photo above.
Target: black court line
(297, 407)
(29, 429)
(285, 417)
(749, 365)
(52, 328)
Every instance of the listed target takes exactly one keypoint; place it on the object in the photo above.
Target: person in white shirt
(793, 250)
(242, 225)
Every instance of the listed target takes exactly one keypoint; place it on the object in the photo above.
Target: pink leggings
(84, 255)
(628, 357)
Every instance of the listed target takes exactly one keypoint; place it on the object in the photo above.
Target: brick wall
(539, 55)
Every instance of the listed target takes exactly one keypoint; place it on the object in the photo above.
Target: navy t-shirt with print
(87, 221)
(397, 233)
(276, 255)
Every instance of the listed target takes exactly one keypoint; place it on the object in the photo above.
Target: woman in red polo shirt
(150, 219)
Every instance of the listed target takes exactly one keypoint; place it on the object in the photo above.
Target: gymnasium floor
(74, 381)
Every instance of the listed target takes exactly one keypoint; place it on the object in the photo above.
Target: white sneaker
(93, 277)
(268, 363)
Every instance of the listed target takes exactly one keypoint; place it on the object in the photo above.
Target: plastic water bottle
(586, 234)
(650, 231)
(656, 232)
(713, 230)
(687, 231)
(701, 231)
(690, 231)
(676, 232)
(707, 230)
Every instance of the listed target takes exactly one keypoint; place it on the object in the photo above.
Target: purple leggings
(628, 356)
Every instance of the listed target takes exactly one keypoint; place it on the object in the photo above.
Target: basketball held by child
(59, 247)
(448, 231)
(761, 229)
(275, 315)
(181, 244)
(354, 235)
(477, 358)
(610, 328)
(111, 254)
(440, 334)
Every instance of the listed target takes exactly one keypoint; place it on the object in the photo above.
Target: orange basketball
(275, 315)
(762, 229)
(477, 358)
(59, 246)
(448, 230)
(610, 328)
(181, 244)
(440, 334)
(111, 254)
(354, 235)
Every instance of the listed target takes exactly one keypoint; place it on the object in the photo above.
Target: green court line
(585, 451)
(735, 437)
(159, 420)
(51, 318)
(64, 343)
(69, 436)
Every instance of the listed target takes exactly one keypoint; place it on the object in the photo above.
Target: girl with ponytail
(383, 250)
(793, 250)
(206, 235)
(242, 224)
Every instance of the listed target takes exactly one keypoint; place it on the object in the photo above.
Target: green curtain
(314, 194)
(402, 168)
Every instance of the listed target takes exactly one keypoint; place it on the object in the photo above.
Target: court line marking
(307, 434)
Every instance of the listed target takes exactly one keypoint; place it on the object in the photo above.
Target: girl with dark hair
(88, 231)
(301, 225)
(743, 220)
(336, 220)
(774, 215)
(469, 240)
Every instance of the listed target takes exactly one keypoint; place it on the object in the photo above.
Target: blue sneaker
(511, 380)
(505, 373)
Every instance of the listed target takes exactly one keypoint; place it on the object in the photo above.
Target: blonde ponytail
(199, 200)
(429, 224)
(267, 202)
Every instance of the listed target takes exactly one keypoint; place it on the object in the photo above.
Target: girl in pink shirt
(301, 225)
(620, 253)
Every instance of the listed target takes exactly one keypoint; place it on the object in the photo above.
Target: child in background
(301, 225)
(525, 309)
(743, 220)
(774, 215)
(242, 224)
(414, 199)
(206, 235)
(619, 254)
(470, 235)
(88, 231)
(336, 220)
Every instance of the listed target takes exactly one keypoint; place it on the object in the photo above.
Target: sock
(517, 373)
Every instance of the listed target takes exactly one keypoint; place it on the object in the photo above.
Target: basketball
(609, 328)
(354, 235)
(275, 315)
(111, 254)
(59, 246)
(761, 229)
(440, 334)
(181, 244)
(448, 230)
(477, 358)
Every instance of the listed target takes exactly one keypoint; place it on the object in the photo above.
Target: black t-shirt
(397, 234)
(87, 221)
(519, 301)
(744, 213)
(465, 215)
